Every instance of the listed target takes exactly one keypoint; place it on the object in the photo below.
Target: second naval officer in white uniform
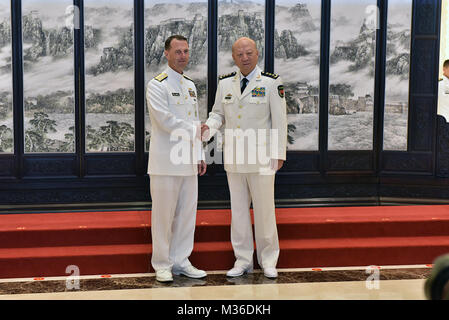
(443, 92)
(251, 105)
(174, 164)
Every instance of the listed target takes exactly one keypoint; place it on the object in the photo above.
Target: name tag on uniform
(175, 94)
(258, 92)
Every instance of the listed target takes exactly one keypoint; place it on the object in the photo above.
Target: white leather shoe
(271, 273)
(164, 275)
(190, 272)
(238, 271)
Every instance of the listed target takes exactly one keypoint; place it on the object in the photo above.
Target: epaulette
(187, 77)
(270, 75)
(441, 79)
(227, 75)
(161, 77)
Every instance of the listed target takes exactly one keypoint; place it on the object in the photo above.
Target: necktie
(244, 83)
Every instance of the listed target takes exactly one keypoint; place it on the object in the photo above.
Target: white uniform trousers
(173, 218)
(258, 188)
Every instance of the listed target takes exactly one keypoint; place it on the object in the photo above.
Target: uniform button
(240, 107)
(239, 116)
(238, 127)
(190, 113)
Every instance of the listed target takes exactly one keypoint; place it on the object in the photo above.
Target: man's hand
(276, 164)
(202, 167)
(205, 132)
(198, 131)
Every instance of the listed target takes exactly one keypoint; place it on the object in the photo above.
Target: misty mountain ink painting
(48, 53)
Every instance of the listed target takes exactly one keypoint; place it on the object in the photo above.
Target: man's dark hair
(177, 37)
(446, 63)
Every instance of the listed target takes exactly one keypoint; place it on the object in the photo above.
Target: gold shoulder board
(270, 75)
(161, 77)
(227, 75)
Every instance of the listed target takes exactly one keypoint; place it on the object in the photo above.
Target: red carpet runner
(39, 245)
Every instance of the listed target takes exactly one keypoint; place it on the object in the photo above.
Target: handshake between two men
(248, 98)
(205, 135)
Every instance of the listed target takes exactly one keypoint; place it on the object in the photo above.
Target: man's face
(446, 71)
(245, 56)
(177, 55)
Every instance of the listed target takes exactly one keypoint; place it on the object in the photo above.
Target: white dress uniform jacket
(249, 116)
(173, 107)
(443, 97)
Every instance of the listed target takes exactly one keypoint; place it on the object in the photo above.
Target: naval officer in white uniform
(251, 105)
(174, 163)
(443, 92)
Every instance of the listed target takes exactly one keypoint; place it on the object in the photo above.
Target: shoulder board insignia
(227, 75)
(161, 77)
(441, 79)
(270, 75)
(188, 78)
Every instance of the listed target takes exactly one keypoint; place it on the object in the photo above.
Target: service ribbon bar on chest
(258, 92)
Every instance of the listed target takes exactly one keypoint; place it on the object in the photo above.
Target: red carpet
(39, 245)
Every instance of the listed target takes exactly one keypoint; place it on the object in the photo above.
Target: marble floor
(351, 283)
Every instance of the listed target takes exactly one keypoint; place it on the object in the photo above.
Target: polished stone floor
(367, 283)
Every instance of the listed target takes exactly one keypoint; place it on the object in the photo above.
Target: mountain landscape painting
(109, 68)
(297, 61)
(48, 77)
(187, 18)
(6, 99)
(351, 72)
(397, 74)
